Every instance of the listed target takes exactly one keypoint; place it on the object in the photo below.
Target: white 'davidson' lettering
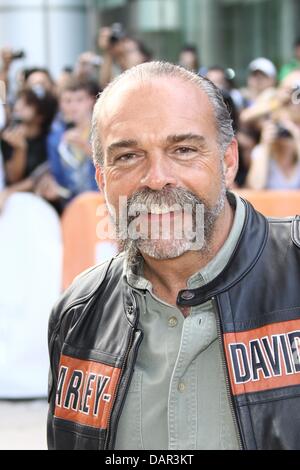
(265, 357)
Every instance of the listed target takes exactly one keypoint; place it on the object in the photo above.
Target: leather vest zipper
(224, 365)
(110, 437)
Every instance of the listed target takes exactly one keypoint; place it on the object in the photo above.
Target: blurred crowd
(45, 123)
(45, 150)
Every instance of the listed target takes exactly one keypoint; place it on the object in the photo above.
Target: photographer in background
(260, 92)
(120, 52)
(12, 85)
(7, 56)
(87, 66)
(275, 162)
(40, 80)
(71, 170)
(188, 58)
(23, 142)
(261, 81)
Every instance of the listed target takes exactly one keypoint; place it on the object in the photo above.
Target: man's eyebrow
(121, 144)
(176, 138)
(171, 139)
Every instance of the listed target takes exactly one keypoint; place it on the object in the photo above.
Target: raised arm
(258, 171)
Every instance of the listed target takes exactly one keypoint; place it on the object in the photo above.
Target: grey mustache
(144, 200)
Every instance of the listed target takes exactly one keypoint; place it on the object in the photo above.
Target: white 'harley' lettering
(81, 390)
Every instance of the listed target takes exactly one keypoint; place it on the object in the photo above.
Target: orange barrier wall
(82, 221)
(86, 216)
(273, 203)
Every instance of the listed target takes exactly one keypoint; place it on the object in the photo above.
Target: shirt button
(172, 322)
(181, 387)
(187, 295)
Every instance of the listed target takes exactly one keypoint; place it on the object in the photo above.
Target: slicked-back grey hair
(148, 70)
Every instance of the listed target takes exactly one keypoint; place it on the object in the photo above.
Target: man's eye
(184, 150)
(126, 158)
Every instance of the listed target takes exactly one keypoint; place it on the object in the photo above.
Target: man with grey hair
(184, 340)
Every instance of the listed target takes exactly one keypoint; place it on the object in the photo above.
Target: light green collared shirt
(177, 398)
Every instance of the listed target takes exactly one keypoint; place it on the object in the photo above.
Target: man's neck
(168, 276)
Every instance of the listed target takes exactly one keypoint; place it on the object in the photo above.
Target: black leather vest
(94, 340)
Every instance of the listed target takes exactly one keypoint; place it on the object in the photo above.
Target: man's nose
(158, 173)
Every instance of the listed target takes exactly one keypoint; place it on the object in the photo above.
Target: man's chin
(163, 250)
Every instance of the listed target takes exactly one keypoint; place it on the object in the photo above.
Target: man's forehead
(138, 85)
(166, 90)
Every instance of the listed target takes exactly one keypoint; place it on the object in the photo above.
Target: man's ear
(231, 163)
(100, 177)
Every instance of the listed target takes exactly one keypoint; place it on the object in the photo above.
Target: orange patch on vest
(264, 358)
(85, 391)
